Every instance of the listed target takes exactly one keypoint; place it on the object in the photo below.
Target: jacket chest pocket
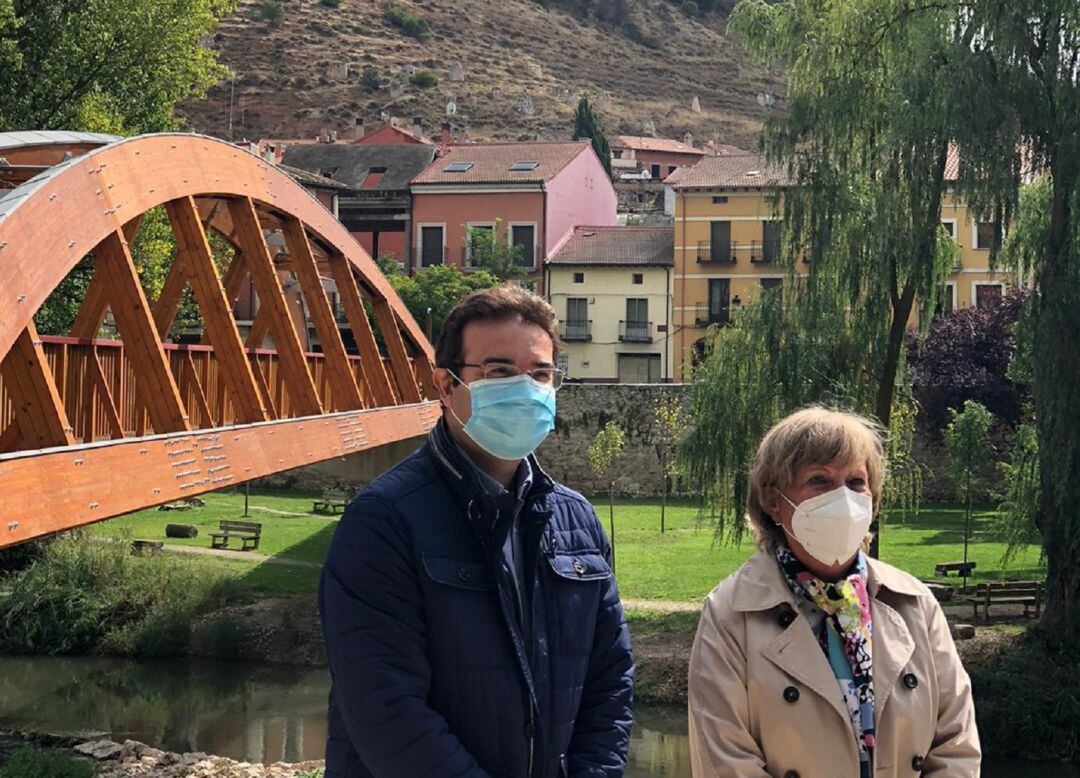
(462, 613)
(578, 577)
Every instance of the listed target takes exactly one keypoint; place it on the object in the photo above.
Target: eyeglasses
(542, 375)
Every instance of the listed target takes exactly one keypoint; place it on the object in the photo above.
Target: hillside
(289, 77)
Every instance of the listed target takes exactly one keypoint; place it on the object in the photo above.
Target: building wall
(389, 242)
(664, 159)
(580, 194)
(607, 289)
(456, 211)
(746, 211)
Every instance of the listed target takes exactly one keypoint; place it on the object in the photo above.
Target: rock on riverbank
(136, 760)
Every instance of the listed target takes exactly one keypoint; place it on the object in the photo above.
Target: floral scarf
(848, 645)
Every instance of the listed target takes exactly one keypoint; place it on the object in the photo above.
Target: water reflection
(263, 713)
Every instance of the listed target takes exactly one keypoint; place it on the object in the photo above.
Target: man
(471, 618)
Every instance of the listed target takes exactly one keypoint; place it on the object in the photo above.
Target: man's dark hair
(499, 303)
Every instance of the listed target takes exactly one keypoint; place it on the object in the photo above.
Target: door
(637, 319)
(431, 246)
(770, 239)
(720, 241)
(719, 300)
(639, 368)
(577, 319)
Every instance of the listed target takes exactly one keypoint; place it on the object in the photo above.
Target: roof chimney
(417, 126)
(445, 140)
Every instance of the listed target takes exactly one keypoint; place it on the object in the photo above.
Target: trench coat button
(578, 567)
(917, 763)
(791, 774)
(791, 694)
(910, 681)
(463, 574)
(785, 618)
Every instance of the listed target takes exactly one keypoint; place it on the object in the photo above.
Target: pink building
(536, 192)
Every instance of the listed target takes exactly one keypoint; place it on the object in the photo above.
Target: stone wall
(583, 410)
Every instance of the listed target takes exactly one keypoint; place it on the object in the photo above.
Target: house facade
(534, 194)
(659, 157)
(727, 212)
(611, 288)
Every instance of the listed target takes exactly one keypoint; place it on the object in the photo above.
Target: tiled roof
(491, 162)
(737, 171)
(723, 149)
(618, 246)
(307, 178)
(10, 140)
(644, 143)
(678, 174)
(351, 164)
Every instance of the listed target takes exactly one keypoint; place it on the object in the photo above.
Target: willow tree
(865, 145)
(1026, 90)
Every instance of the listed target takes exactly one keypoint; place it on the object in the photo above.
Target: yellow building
(611, 288)
(727, 241)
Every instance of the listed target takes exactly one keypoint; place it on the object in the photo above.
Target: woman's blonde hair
(812, 436)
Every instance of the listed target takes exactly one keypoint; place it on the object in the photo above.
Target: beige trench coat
(764, 701)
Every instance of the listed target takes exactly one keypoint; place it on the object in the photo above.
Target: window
(524, 235)
(984, 235)
(670, 169)
(579, 278)
(637, 311)
(987, 295)
(563, 363)
(771, 283)
(639, 368)
(720, 241)
(431, 246)
(373, 178)
(719, 300)
(719, 200)
(523, 165)
(655, 171)
(946, 300)
(458, 167)
(639, 278)
(476, 236)
(770, 240)
(949, 225)
(576, 326)
(617, 153)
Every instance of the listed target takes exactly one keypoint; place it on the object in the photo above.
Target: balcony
(576, 330)
(715, 253)
(706, 314)
(635, 331)
(765, 253)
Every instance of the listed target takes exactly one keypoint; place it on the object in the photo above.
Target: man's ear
(444, 383)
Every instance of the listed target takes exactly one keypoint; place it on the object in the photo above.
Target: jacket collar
(760, 584)
(462, 475)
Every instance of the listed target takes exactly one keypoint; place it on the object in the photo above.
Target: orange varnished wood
(38, 409)
(167, 467)
(395, 350)
(101, 385)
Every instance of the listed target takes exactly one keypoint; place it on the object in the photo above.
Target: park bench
(333, 500)
(1026, 593)
(247, 531)
(962, 569)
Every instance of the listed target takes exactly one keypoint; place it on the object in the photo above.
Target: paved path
(243, 556)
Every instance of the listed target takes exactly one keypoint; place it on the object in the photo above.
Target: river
(263, 713)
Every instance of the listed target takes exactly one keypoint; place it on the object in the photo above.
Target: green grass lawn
(683, 564)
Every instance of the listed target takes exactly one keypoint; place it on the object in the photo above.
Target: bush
(369, 79)
(89, 596)
(405, 20)
(30, 762)
(424, 79)
(331, 3)
(272, 11)
(690, 8)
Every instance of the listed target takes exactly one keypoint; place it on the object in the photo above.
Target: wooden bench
(962, 569)
(248, 533)
(1026, 593)
(333, 500)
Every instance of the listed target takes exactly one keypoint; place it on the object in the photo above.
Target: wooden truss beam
(39, 412)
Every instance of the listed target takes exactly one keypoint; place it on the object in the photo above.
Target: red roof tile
(617, 246)
(491, 162)
(643, 143)
(736, 171)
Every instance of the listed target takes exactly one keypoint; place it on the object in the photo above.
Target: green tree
(604, 455)
(669, 426)
(107, 65)
(967, 443)
(1015, 522)
(586, 125)
(488, 251)
(437, 289)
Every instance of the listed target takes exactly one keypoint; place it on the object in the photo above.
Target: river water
(263, 713)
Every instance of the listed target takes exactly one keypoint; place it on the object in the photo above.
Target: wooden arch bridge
(93, 427)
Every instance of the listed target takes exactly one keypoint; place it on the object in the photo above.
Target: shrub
(272, 11)
(90, 596)
(690, 8)
(424, 79)
(369, 78)
(405, 20)
(331, 3)
(30, 762)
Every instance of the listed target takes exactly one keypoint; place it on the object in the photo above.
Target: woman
(814, 660)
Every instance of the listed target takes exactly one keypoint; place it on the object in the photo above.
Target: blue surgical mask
(510, 416)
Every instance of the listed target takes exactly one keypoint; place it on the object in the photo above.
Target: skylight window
(524, 164)
(459, 167)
